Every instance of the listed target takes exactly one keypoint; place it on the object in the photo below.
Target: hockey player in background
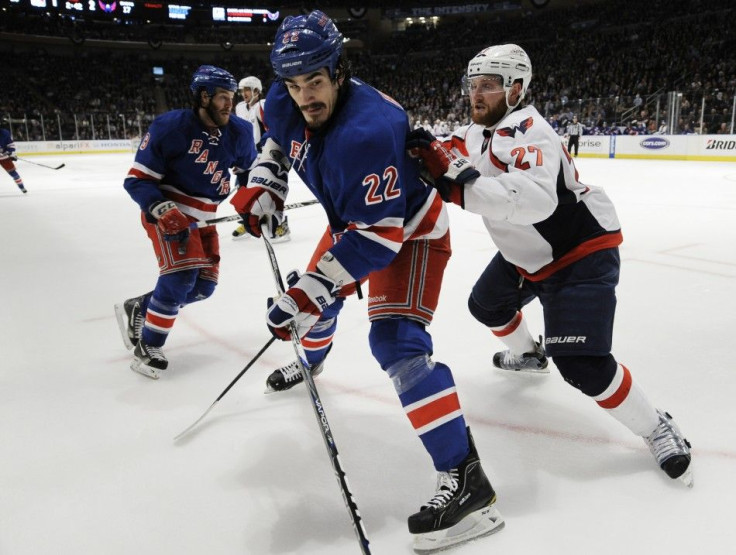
(558, 241)
(251, 109)
(180, 175)
(346, 140)
(8, 156)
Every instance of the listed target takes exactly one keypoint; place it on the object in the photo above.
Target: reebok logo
(379, 299)
(566, 339)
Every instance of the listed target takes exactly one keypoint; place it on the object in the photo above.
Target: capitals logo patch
(522, 127)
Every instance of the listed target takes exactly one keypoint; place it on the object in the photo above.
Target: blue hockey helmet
(210, 77)
(306, 43)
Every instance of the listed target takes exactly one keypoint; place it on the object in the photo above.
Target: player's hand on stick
(268, 184)
(12, 155)
(172, 223)
(308, 295)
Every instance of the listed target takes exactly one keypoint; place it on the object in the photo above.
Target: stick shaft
(237, 217)
(319, 411)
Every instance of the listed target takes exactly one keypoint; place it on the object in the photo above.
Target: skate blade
(525, 371)
(145, 370)
(483, 522)
(270, 390)
(120, 317)
(282, 239)
(687, 478)
(241, 236)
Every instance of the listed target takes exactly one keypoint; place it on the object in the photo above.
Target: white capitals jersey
(253, 114)
(538, 213)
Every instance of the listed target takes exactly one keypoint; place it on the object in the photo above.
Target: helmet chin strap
(510, 108)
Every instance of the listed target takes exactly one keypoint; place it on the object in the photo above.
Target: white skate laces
(447, 484)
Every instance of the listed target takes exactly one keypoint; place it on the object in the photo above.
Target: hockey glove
(302, 304)
(438, 160)
(172, 223)
(12, 155)
(263, 198)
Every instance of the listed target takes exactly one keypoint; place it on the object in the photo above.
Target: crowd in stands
(610, 63)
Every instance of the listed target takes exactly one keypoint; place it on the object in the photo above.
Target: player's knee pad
(202, 289)
(174, 288)
(394, 339)
(409, 372)
(591, 375)
(488, 316)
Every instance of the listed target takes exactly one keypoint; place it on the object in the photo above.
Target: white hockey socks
(625, 401)
(515, 335)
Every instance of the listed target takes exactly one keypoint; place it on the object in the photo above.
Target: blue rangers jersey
(182, 160)
(6, 142)
(358, 168)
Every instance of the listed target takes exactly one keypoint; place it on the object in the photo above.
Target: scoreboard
(147, 10)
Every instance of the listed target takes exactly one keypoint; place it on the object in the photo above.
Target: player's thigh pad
(195, 256)
(409, 287)
(579, 305)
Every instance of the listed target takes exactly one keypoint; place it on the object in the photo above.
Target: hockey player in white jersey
(251, 109)
(557, 240)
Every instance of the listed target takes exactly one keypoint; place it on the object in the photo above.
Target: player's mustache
(312, 106)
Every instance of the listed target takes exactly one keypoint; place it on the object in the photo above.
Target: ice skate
(22, 189)
(240, 233)
(148, 360)
(281, 234)
(462, 509)
(534, 362)
(288, 376)
(671, 449)
(130, 320)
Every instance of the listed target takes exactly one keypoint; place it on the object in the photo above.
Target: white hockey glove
(308, 295)
(268, 185)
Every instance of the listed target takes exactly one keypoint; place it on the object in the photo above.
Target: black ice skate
(671, 449)
(130, 320)
(462, 509)
(288, 376)
(534, 362)
(148, 360)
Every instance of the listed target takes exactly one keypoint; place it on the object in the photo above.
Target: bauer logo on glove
(301, 305)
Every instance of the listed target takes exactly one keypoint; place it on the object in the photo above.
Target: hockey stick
(319, 410)
(232, 383)
(42, 165)
(237, 217)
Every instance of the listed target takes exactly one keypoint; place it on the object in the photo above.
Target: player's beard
(217, 116)
(489, 115)
(321, 118)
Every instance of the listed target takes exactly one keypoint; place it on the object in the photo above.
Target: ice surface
(88, 464)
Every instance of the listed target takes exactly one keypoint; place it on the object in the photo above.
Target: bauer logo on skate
(566, 339)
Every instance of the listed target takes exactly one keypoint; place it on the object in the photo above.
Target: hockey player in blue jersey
(346, 141)
(180, 175)
(8, 156)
